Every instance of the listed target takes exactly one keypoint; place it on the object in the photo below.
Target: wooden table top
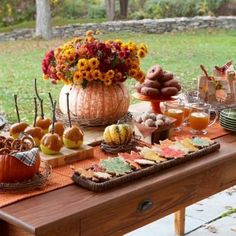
(60, 205)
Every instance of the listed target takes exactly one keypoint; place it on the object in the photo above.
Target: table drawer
(128, 213)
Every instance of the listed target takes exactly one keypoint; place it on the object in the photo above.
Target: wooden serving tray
(114, 182)
(68, 156)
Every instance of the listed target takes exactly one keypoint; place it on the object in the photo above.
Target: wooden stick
(51, 100)
(17, 110)
(39, 98)
(68, 108)
(205, 72)
(53, 116)
(35, 111)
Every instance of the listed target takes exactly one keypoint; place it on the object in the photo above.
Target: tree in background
(110, 9)
(43, 19)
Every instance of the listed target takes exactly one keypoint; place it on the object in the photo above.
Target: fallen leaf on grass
(233, 229)
(211, 229)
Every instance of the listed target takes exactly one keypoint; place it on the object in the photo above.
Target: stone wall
(157, 26)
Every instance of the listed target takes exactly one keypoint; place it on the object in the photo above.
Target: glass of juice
(176, 111)
(199, 119)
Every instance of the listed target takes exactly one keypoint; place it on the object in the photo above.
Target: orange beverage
(176, 113)
(199, 120)
(187, 110)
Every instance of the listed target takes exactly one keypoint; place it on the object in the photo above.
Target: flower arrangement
(82, 60)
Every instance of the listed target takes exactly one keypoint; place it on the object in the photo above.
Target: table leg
(180, 222)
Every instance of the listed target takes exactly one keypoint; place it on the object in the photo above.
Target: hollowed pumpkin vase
(97, 104)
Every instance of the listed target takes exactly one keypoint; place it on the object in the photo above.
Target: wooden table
(74, 211)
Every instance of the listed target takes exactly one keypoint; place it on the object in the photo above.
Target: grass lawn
(182, 53)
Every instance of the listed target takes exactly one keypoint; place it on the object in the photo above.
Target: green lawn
(182, 53)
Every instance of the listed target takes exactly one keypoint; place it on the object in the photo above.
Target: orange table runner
(61, 176)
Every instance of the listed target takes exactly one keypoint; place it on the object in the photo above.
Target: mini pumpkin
(117, 134)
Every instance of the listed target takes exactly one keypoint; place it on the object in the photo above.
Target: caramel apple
(18, 127)
(41, 121)
(35, 132)
(51, 142)
(58, 126)
(73, 136)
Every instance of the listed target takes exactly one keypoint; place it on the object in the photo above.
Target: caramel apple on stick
(58, 126)
(41, 121)
(18, 127)
(51, 143)
(73, 136)
(35, 132)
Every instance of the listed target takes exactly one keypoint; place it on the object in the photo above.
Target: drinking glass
(176, 111)
(199, 119)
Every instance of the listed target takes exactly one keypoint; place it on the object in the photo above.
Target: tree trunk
(43, 19)
(123, 9)
(110, 8)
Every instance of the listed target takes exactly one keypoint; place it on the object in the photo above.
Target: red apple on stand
(51, 143)
(73, 136)
(18, 127)
(41, 121)
(35, 132)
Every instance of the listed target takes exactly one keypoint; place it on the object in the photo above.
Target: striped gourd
(117, 134)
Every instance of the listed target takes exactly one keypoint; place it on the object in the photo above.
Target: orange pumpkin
(12, 170)
(96, 101)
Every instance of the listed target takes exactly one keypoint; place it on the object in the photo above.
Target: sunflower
(96, 74)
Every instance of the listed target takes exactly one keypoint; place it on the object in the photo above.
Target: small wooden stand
(68, 156)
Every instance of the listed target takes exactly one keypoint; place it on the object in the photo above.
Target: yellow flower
(93, 63)
(140, 76)
(89, 76)
(141, 53)
(89, 33)
(45, 77)
(118, 41)
(83, 64)
(135, 65)
(96, 74)
(103, 77)
(78, 77)
(108, 82)
(143, 47)
(133, 73)
(128, 62)
(110, 74)
(118, 76)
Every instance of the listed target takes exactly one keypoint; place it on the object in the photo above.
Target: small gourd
(117, 134)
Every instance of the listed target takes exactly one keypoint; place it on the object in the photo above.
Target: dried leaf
(211, 229)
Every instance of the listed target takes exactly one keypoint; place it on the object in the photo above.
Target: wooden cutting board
(68, 156)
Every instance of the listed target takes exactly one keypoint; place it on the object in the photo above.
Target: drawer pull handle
(145, 205)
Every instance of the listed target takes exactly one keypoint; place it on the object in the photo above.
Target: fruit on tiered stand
(158, 83)
(51, 143)
(93, 72)
(18, 127)
(72, 136)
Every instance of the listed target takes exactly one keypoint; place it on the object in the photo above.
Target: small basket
(121, 148)
(38, 181)
(85, 122)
